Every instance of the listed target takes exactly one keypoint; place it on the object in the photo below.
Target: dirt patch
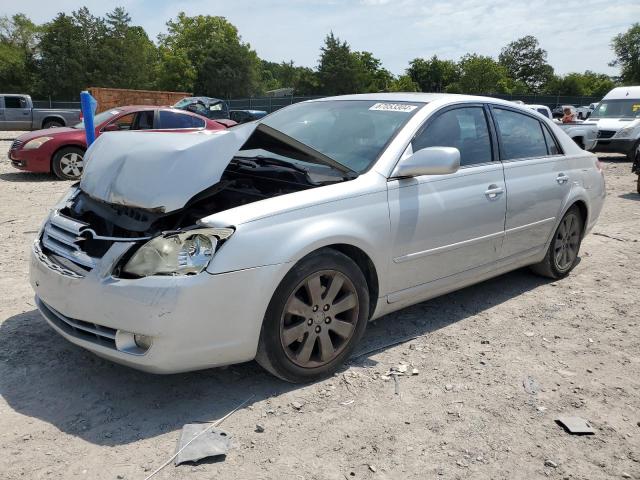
(496, 362)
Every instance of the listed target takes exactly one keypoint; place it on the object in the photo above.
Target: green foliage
(626, 46)
(480, 74)
(339, 67)
(525, 62)
(404, 83)
(581, 84)
(221, 64)
(18, 47)
(205, 55)
(433, 75)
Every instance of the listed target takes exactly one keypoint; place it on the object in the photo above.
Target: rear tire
(52, 124)
(68, 163)
(562, 255)
(316, 316)
(634, 153)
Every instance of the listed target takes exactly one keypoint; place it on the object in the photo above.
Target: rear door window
(463, 128)
(174, 120)
(521, 136)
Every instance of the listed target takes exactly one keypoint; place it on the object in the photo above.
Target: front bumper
(35, 160)
(613, 145)
(196, 322)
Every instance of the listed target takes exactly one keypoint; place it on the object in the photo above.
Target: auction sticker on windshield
(393, 107)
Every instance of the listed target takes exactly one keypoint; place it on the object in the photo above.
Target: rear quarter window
(175, 120)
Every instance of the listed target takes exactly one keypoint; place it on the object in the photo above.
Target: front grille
(606, 133)
(62, 236)
(88, 331)
(16, 144)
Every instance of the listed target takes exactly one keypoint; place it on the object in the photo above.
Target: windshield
(100, 118)
(351, 132)
(617, 109)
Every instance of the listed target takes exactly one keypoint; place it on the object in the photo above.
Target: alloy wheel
(72, 164)
(567, 242)
(319, 318)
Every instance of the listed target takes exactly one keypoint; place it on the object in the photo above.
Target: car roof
(623, 93)
(443, 98)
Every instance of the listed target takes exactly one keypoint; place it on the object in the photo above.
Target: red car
(60, 150)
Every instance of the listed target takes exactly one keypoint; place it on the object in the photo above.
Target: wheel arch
(66, 145)
(366, 266)
(584, 212)
(53, 117)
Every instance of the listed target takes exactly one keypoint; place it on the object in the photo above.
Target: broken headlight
(177, 253)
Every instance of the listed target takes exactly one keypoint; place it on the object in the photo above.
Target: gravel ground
(496, 363)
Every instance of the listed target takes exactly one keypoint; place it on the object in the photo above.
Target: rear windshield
(351, 132)
(617, 109)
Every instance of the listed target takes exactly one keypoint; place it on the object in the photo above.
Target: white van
(618, 119)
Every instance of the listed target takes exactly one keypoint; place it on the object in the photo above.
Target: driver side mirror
(112, 127)
(429, 161)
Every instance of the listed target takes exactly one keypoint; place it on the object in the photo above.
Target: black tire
(635, 152)
(67, 163)
(281, 326)
(638, 184)
(52, 124)
(562, 255)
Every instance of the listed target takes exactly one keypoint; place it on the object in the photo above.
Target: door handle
(562, 178)
(494, 191)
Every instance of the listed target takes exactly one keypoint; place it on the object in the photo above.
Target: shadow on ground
(26, 177)
(43, 376)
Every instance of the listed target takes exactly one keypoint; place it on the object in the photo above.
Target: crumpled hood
(158, 171)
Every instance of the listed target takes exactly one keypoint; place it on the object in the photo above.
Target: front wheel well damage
(366, 266)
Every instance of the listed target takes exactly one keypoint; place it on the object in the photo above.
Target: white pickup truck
(585, 134)
(17, 113)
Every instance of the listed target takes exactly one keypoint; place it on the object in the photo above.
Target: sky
(576, 33)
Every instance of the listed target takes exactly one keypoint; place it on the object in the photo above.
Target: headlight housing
(36, 143)
(630, 131)
(177, 253)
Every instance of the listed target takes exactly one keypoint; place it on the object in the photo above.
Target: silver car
(280, 239)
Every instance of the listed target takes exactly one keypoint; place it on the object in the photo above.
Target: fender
(285, 238)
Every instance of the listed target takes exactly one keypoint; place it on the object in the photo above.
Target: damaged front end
(149, 192)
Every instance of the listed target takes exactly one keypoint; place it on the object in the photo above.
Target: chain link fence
(270, 104)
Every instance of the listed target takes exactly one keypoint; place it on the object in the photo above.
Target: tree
(63, 67)
(404, 83)
(220, 62)
(526, 62)
(581, 84)
(480, 75)
(433, 75)
(128, 56)
(373, 77)
(339, 68)
(18, 50)
(627, 49)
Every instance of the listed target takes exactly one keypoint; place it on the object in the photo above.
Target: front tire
(315, 318)
(562, 255)
(68, 163)
(52, 124)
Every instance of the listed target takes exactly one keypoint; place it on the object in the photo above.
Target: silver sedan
(280, 239)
